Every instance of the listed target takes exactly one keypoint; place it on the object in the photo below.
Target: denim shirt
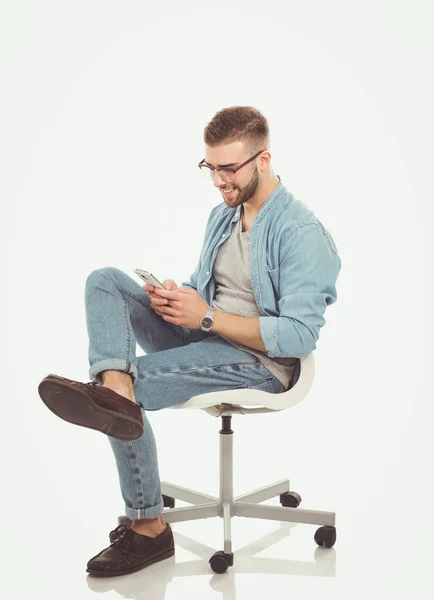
(294, 266)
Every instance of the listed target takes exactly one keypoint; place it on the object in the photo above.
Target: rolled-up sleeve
(307, 285)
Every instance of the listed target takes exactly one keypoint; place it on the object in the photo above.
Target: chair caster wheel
(290, 499)
(220, 562)
(168, 501)
(325, 536)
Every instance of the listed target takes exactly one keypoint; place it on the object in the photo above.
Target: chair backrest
(247, 401)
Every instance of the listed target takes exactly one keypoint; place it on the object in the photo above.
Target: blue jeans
(179, 363)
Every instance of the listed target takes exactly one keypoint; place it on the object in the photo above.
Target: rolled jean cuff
(152, 512)
(112, 364)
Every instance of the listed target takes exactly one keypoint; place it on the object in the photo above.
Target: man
(252, 308)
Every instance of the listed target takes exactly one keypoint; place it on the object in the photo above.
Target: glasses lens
(206, 172)
(228, 176)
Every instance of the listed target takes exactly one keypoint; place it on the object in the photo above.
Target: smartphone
(149, 278)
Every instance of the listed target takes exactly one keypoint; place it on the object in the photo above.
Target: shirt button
(207, 272)
(223, 235)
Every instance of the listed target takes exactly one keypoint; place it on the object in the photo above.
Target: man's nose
(218, 181)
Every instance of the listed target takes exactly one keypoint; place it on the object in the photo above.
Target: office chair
(245, 401)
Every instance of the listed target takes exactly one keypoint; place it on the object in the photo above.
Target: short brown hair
(238, 123)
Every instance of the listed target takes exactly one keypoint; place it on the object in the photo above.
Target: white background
(103, 106)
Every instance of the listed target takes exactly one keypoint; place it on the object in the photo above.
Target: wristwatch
(207, 321)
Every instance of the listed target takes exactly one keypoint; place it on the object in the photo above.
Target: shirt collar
(274, 193)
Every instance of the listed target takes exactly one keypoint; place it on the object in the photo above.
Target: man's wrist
(216, 320)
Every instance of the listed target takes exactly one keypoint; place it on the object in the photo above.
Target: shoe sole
(79, 408)
(154, 559)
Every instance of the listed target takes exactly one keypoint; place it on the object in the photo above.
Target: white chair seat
(248, 401)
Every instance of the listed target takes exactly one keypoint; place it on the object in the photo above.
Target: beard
(247, 192)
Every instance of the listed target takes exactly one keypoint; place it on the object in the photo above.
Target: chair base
(245, 505)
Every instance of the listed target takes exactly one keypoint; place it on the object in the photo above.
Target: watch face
(206, 322)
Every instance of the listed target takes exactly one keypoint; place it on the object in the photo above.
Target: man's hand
(183, 306)
(158, 301)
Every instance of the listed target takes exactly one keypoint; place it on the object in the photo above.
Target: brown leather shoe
(93, 406)
(130, 551)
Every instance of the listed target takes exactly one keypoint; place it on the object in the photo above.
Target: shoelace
(122, 538)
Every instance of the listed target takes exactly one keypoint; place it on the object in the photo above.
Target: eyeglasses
(227, 174)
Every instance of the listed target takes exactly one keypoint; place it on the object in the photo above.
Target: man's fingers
(155, 299)
(158, 301)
